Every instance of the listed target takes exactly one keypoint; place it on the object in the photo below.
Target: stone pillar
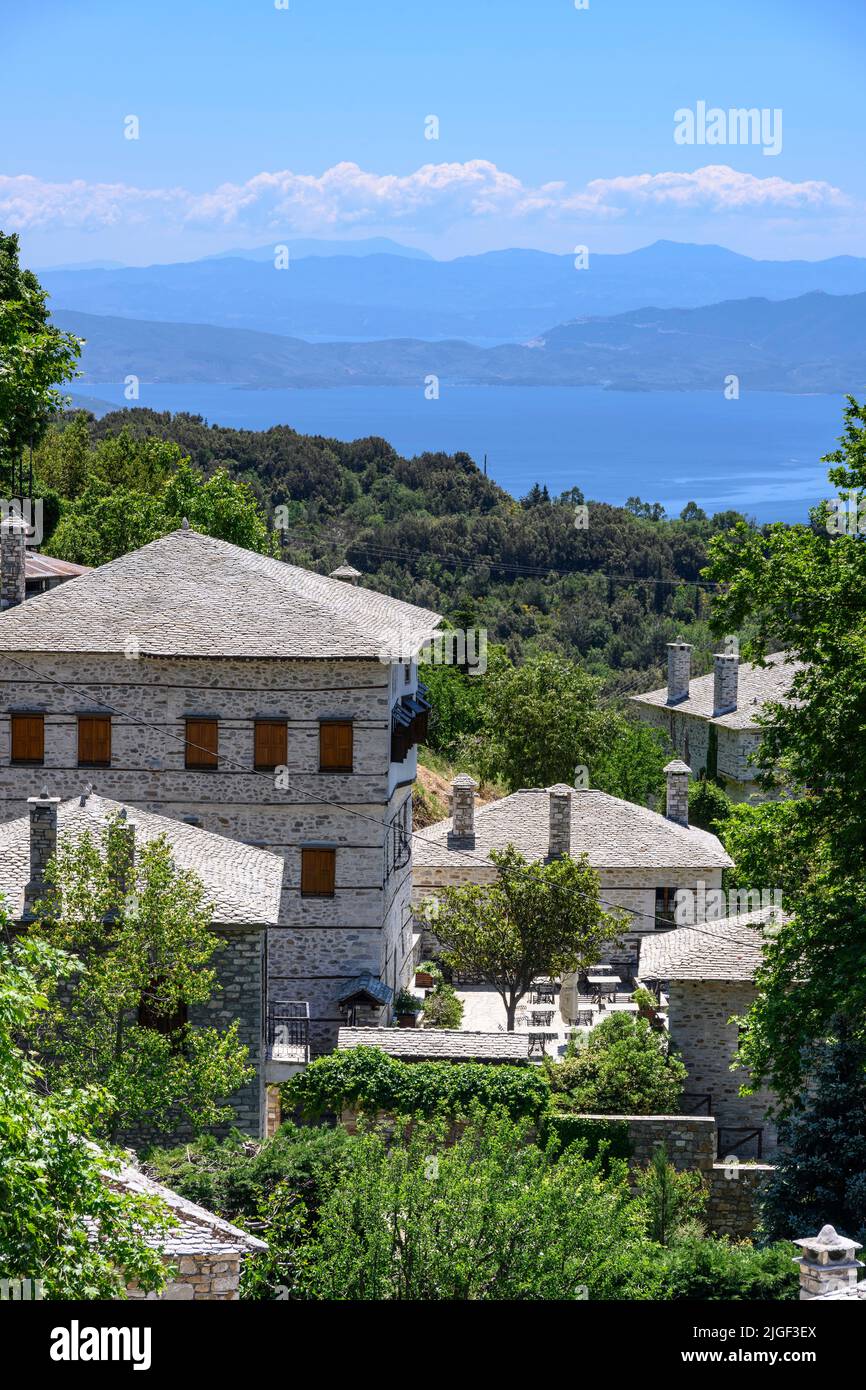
(559, 842)
(679, 670)
(13, 552)
(725, 671)
(462, 833)
(43, 846)
(677, 774)
(827, 1264)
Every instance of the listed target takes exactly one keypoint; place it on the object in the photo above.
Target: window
(94, 740)
(202, 743)
(271, 744)
(161, 1020)
(28, 738)
(335, 745)
(665, 904)
(318, 873)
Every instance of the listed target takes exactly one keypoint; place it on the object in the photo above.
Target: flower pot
(407, 1020)
(423, 979)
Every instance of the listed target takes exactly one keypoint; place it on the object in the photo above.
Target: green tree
(540, 721)
(53, 1192)
(631, 761)
(674, 1202)
(537, 919)
(624, 1068)
(806, 1191)
(145, 942)
(34, 358)
(710, 807)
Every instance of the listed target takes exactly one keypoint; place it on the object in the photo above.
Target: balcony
(409, 720)
(288, 1039)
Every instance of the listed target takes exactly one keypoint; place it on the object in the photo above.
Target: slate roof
(198, 1232)
(728, 949)
(755, 686)
(614, 834)
(366, 984)
(242, 884)
(438, 1044)
(191, 595)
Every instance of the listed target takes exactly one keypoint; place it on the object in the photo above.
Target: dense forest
(606, 585)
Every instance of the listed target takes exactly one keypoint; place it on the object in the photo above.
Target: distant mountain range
(498, 297)
(812, 343)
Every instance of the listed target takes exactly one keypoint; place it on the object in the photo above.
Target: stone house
(642, 858)
(206, 1252)
(242, 885)
(708, 973)
(711, 720)
(205, 683)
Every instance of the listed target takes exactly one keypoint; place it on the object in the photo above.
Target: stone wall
(689, 734)
(321, 943)
(203, 1276)
(734, 1192)
(700, 1029)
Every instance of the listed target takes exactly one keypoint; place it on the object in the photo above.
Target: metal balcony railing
(289, 1025)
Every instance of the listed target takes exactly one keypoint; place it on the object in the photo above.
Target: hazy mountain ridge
(501, 296)
(814, 343)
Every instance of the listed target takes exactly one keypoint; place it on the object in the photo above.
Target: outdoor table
(543, 1017)
(586, 1013)
(539, 1040)
(544, 991)
(603, 984)
(624, 1008)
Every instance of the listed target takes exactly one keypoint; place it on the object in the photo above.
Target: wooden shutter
(202, 742)
(94, 740)
(336, 742)
(318, 873)
(28, 738)
(271, 744)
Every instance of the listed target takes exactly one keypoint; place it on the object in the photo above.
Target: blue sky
(556, 125)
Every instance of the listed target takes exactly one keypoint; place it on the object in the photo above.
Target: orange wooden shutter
(94, 740)
(336, 745)
(271, 744)
(202, 742)
(318, 873)
(28, 738)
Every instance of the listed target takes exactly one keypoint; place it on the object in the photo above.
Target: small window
(336, 746)
(202, 743)
(665, 904)
(318, 873)
(271, 744)
(407, 672)
(94, 740)
(160, 1020)
(28, 738)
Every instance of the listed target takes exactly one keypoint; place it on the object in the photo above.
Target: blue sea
(759, 454)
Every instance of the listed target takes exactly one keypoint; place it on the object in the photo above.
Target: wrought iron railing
(289, 1023)
(696, 1103)
(746, 1136)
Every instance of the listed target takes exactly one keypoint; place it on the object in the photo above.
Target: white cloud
(435, 195)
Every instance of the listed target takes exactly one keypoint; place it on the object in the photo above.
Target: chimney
(827, 1264)
(677, 774)
(559, 842)
(679, 670)
(13, 551)
(462, 833)
(43, 846)
(725, 670)
(347, 573)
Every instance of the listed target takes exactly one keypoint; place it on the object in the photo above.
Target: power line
(313, 801)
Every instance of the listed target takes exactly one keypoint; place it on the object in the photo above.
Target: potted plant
(407, 1007)
(427, 975)
(647, 1006)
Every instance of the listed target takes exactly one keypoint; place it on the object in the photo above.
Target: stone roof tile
(438, 1044)
(756, 685)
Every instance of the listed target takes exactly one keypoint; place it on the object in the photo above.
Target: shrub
(443, 1008)
(717, 1270)
(709, 805)
(368, 1080)
(606, 1137)
(624, 1069)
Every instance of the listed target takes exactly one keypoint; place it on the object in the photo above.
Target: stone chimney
(462, 833)
(43, 846)
(726, 667)
(347, 573)
(677, 774)
(679, 670)
(828, 1263)
(13, 552)
(559, 842)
